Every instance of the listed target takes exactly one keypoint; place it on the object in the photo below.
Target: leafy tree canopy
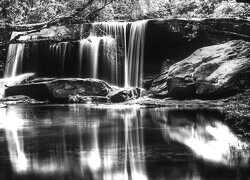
(35, 11)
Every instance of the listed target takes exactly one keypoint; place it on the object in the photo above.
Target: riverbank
(237, 112)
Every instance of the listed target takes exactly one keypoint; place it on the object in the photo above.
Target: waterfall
(131, 42)
(89, 48)
(114, 52)
(15, 57)
(58, 52)
(135, 55)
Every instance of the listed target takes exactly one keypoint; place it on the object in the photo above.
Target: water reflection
(205, 135)
(79, 142)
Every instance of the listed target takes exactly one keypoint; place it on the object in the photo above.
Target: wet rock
(88, 99)
(38, 91)
(37, 80)
(63, 88)
(60, 89)
(20, 79)
(159, 84)
(182, 87)
(209, 72)
(123, 95)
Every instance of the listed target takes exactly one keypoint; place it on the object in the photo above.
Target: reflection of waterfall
(111, 148)
(15, 57)
(114, 52)
(134, 147)
(104, 143)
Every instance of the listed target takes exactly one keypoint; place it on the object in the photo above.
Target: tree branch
(32, 28)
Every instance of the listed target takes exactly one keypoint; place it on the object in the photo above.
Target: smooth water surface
(112, 143)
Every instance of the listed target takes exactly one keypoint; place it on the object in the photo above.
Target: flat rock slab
(60, 89)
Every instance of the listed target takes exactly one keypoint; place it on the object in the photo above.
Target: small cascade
(130, 40)
(89, 52)
(109, 64)
(58, 51)
(14, 60)
(135, 57)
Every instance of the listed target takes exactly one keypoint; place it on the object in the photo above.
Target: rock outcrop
(21, 79)
(60, 89)
(122, 95)
(211, 71)
(74, 90)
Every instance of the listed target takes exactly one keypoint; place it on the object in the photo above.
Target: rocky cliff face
(173, 39)
(176, 39)
(211, 71)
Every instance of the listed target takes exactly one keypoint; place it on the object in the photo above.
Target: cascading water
(59, 51)
(114, 52)
(131, 42)
(135, 58)
(89, 50)
(15, 57)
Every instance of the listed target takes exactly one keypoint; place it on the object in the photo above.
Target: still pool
(68, 142)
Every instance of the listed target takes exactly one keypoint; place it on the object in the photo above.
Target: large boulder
(159, 84)
(210, 71)
(121, 95)
(60, 89)
(13, 81)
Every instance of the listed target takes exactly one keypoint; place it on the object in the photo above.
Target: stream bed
(118, 143)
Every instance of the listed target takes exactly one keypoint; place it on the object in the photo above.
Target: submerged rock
(210, 71)
(88, 99)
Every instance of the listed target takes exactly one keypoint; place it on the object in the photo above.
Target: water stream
(120, 143)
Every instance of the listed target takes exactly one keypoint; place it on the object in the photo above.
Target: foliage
(197, 9)
(34, 11)
(122, 10)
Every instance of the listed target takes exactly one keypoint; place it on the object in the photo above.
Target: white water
(15, 57)
(131, 43)
(90, 49)
(135, 55)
